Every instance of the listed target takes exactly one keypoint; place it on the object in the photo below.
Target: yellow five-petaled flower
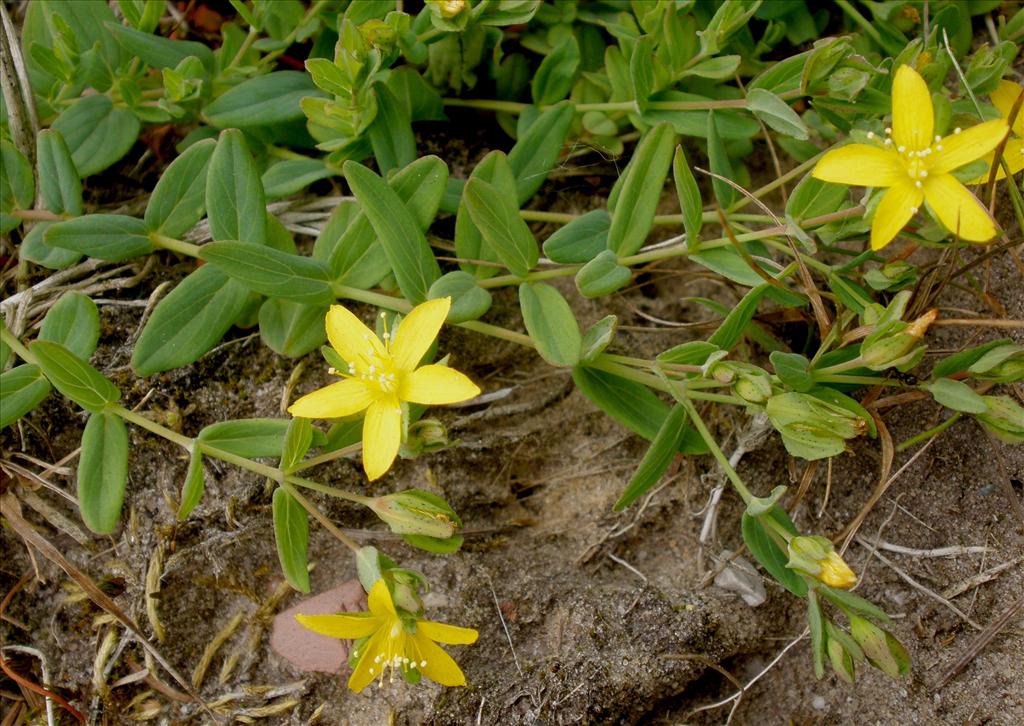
(402, 644)
(916, 166)
(1003, 98)
(382, 374)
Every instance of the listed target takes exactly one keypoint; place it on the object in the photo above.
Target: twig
(980, 579)
(628, 566)
(978, 644)
(938, 552)
(501, 617)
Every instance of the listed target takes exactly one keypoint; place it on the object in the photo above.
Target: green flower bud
(812, 428)
(415, 511)
(1002, 364)
(425, 436)
(1004, 419)
(817, 557)
(881, 649)
(896, 344)
(379, 34)
(891, 276)
(749, 382)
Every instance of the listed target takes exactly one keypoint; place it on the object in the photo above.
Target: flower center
(395, 654)
(376, 369)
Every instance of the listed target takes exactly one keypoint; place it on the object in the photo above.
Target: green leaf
(538, 149)
(718, 68)
(178, 200)
(598, 337)
(469, 243)
(390, 134)
(290, 328)
(74, 322)
(297, 441)
(272, 272)
(235, 202)
(22, 388)
(603, 275)
(693, 353)
(762, 505)
(580, 241)
(251, 437)
(433, 544)
(291, 531)
(631, 404)
(731, 329)
(641, 71)
(17, 184)
(73, 377)
(718, 159)
(816, 624)
(550, 323)
(957, 395)
(848, 600)
(158, 52)
(59, 185)
(103, 471)
(497, 218)
(189, 321)
(965, 359)
(641, 188)
(469, 300)
(766, 551)
(263, 101)
(813, 198)
(659, 455)
(557, 72)
(793, 369)
(96, 132)
(195, 484)
(776, 113)
(689, 198)
(104, 236)
(35, 249)
(404, 244)
(292, 175)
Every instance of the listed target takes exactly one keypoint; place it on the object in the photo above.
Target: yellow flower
(1003, 98)
(836, 573)
(401, 644)
(383, 374)
(916, 166)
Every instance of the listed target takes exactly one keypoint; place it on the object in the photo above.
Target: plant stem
(716, 451)
(324, 458)
(174, 245)
(319, 516)
(930, 433)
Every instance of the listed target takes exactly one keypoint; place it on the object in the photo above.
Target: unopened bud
(378, 33)
(817, 557)
(415, 511)
(450, 8)
(425, 436)
(896, 344)
(1004, 419)
(810, 427)
(1002, 364)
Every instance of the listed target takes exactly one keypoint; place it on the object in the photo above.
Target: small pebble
(818, 702)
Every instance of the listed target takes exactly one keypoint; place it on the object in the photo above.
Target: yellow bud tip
(836, 573)
(451, 8)
(919, 326)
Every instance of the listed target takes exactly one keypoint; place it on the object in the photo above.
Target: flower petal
(893, 212)
(861, 165)
(1003, 99)
(350, 336)
(382, 434)
(435, 385)
(913, 117)
(965, 147)
(347, 627)
(361, 676)
(444, 633)
(1013, 153)
(417, 332)
(958, 209)
(439, 665)
(334, 401)
(380, 600)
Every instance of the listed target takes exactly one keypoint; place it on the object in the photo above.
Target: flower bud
(896, 344)
(1004, 419)
(415, 511)
(891, 276)
(749, 382)
(1002, 364)
(379, 34)
(449, 8)
(817, 557)
(880, 648)
(425, 436)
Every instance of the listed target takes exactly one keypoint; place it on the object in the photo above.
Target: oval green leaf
(103, 471)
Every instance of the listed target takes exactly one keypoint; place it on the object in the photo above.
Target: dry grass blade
(9, 508)
(978, 644)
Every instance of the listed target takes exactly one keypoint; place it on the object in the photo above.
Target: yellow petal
(436, 385)
(1004, 97)
(913, 118)
(417, 331)
(439, 665)
(861, 165)
(893, 212)
(1013, 152)
(334, 401)
(965, 147)
(348, 627)
(361, 676)
(958, 210)
(350, 337)
(444, 633)
(380, 600)
(382, 433)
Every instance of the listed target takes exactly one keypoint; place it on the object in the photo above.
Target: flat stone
(309, 651)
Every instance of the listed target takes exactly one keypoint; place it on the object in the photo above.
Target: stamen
(914, 210)
(938, 138)
(923, 173)
(423, 664)
(888, 131)
(938, 147)
(957, 130)
(917, 184)
(332, 371)
(871, 134)
(901, 148)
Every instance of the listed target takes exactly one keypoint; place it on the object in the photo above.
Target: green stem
(174, 245)
(716, 451)
(250, 38)
(860, 20)
(329, 456)
(319, 516)
(610, 106)
(930, 433)
(313, 11)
